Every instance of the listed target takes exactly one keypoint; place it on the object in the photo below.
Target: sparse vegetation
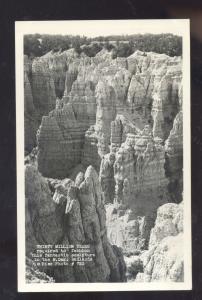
(135, 268)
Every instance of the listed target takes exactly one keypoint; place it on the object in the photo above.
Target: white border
(180, 27)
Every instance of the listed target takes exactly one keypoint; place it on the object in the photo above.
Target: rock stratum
(120, 122)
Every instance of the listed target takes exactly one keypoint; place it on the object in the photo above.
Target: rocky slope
(71, 213)
(164, 259)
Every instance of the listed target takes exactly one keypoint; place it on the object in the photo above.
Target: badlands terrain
(103, 164)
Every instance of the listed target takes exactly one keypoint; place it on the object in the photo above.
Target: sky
(103, 28)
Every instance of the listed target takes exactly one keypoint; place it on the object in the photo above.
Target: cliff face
(43, 89)
(153, 92)
(45, 79)
(74, 215)
(60, 141)
(164, 259)
(49, 74)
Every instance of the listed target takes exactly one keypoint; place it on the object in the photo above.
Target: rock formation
(163, 261)
(43, 225)
(43, 88)
(44, 80)
(110, 96)
(121, 118)
(140, 187)
(74, 215)
(60, 142)
(153, 91)
(90, 153)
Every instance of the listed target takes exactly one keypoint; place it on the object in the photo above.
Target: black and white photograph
(103, 155)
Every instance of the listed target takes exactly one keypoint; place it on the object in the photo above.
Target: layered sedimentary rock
(46, 78)
(49, 74)
(43, 88)
(120, 127)
(147, 95)
(163, 261)
(58, 63)
(60, 142)
(74, 215)
(77, 107)
(61, 139)
(110, 80)
(105, 114)
(82, 97)
(111, 94)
